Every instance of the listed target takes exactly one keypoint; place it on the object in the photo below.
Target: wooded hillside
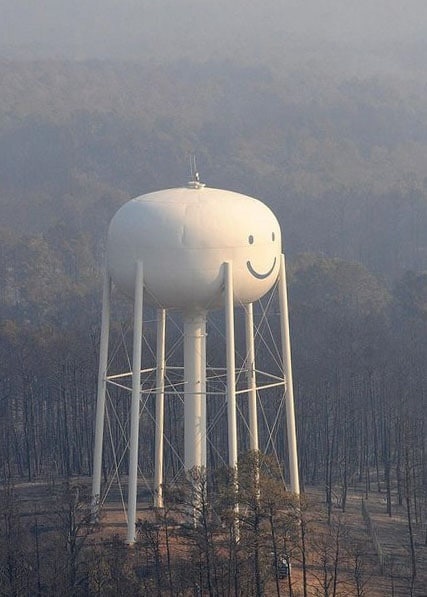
(340, 160)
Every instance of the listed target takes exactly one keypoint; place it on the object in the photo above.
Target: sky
(127, 29)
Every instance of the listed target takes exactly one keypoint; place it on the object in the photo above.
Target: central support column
(231, 384)
(203, 396)
(231, 365)
(194, 388)
(160, 407)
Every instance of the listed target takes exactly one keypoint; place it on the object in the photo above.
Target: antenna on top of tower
(194, 183)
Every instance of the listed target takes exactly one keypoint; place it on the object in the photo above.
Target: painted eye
(251, 240)
(273, 236)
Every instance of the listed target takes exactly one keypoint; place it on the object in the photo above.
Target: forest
(340, 158)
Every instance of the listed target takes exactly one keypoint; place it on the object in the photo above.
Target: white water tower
(192, 249)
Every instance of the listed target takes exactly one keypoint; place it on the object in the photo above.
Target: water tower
(193, 249)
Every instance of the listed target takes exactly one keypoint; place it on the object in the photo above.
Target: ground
(392, 578)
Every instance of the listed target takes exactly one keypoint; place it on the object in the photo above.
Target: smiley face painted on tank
(256, 272)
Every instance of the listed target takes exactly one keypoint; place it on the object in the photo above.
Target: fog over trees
(316, 108)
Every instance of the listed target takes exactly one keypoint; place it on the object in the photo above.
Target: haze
(317, 108)
(389, 31)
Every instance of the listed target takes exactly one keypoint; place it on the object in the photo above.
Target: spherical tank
(183, 236)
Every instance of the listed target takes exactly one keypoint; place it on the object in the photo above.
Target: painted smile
(256, 274)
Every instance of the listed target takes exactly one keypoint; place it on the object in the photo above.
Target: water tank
(183, 236)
